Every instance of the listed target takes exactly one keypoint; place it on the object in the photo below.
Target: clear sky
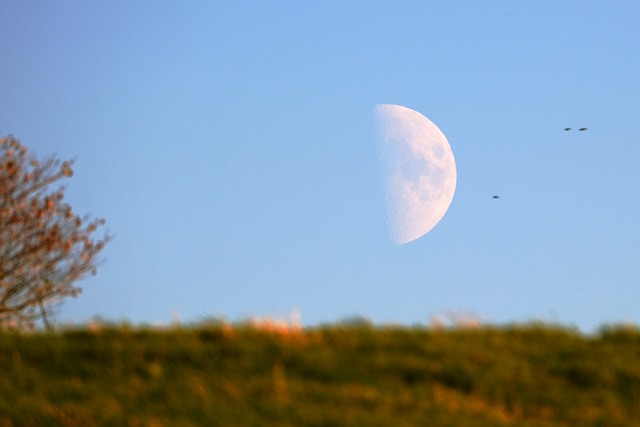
(230, 146)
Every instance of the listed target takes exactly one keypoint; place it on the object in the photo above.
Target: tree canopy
(45, 248)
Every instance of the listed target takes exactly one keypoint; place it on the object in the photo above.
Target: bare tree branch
(44, 247)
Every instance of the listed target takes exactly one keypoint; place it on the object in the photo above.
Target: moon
(419, 171)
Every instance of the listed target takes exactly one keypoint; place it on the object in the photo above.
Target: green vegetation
(338, 375)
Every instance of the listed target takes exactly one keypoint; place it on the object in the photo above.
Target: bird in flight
(581, 129)
(496, 197)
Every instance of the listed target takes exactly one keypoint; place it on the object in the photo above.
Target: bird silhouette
(496, 197)
(581, 129)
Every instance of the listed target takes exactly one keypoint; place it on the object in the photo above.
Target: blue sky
(230, 146)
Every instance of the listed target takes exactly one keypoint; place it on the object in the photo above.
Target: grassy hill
(336, 375)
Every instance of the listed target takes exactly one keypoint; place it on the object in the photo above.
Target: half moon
(419, 171)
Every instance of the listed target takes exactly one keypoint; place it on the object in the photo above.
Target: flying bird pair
(581, 129)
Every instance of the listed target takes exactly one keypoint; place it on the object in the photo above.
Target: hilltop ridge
(218, 374)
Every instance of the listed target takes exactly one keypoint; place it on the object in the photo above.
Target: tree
(44, 246)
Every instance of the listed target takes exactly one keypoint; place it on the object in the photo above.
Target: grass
(212, 374)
